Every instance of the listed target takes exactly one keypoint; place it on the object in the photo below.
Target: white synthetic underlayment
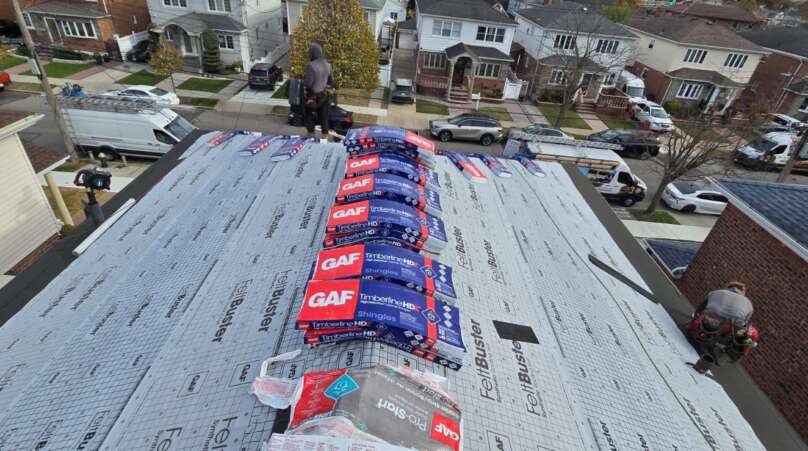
(151, 339)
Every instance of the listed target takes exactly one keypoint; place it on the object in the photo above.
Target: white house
(248, 30)
(26, 218)
(564, 37)
(376, 13)
(693, 61)
(463, 47)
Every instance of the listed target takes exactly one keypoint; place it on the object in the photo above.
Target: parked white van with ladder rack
(116, 127)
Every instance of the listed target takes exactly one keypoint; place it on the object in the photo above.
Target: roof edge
(20, 125)
(761, 50)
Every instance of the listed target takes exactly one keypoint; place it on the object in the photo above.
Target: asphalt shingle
(673, 253)
(464, 9)
(692, 30)
(786, 39)
(573, 16)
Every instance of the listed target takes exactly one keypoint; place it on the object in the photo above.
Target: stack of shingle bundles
(378, 138)
(466, 167)
(289, 148)
(395, 164)
(495, 165)
(259, 145)
(390, 187)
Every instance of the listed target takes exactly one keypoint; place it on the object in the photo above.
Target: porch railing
(612, 100)
(433, 81)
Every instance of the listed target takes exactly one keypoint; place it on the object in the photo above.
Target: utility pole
(800, 150)
(46, 87)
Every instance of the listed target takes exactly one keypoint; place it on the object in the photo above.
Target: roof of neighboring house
(799, 87)
(65, 8)
(367, 4)
(694, 31)
(408, 24)
(196, 23)
(41, 157)
(476, 52)
(464, 9)
(786, 39)
(781, 205)
(710, 76)
(573, 16)
(673, 253)
(722, 12)
(566, 61)
(9, 117)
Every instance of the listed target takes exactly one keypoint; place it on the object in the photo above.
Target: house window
(558, 77)
(564, 41)
(435, 60)
(393, 15)
(446, 28)
(607, 46)
(735, 60)
(219, 5)
(366, 15)
(695, 56)
(490, 34)
(28, 22)
(169, 35)
(176, 3)
(77, 29)
(488, 70)
(689, 90)
(804, 105)
(226, 42)
(610, 79)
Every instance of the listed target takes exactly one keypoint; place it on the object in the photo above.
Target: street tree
(347, 41)
(748, 5)
(621, 13)
(211, 56)
(166, 60)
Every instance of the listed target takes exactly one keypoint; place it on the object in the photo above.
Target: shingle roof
(564, 61)
(41, 157)
(476, 52)
(781, 204)
(464, 9)
(723, 12)
(799, 87)
(408, 24)
(72, 9)
(786, 39)
(371, 4)
(673, 253)
(573, 16)
(710, 76)
(9, 117)
(692, 30)
(196, 23)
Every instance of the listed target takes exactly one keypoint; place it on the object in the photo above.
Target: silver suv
(469, 127)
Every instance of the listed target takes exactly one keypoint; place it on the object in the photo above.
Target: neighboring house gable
(729, 15)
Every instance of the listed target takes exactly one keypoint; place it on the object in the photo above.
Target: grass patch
(657, 216)
(204, 84)
(281, 110)
(616, 122)
(425, 106)
(199, 101)
(73, 166)
(497, 112)
(74, 200)
(570, 119)
(62, 70)
(142, 78)
(7, 61)
(357, 97)
(280, 92)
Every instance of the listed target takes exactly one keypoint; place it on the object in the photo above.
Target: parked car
(145, 92)
(9, 29)
(652, 116)
(264, 76)
(694, 197)
(340, 121)
(5, 79)
(540, 130)
(468, 127)
(636, 143)
(769, 151)
(140, 53)
(402, 91)
(782, 123)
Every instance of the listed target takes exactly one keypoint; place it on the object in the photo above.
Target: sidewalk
(643, 229)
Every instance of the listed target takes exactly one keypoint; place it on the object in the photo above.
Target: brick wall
(122, 12)
(29, 259)
(776, 278)
(656, 82)
(768, 80)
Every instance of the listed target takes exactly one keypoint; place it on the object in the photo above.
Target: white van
(632, 85)
(608, 172)
(122, 127)
(769, 151)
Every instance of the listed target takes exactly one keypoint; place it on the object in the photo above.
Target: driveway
(403, 64)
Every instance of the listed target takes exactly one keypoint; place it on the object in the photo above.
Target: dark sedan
(402, 92)
(140, 53)
(636, 143)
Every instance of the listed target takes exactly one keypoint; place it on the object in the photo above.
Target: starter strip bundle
(390, 187)
(495, 165)
(467, 167)
(289, 148)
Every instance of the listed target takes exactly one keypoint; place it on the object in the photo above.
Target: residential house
(565, 39)
(90, 26)
(782, 77)
(248, 30)
(729, 15)
(697, 63)
(27, 223)
(463, 48)
(761, 239)
(376, 13)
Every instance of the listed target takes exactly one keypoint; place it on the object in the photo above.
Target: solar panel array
(150, 340)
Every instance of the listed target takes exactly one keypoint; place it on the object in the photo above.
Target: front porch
(185, 33)
(462, 70)
(708, 92)
(60, 24)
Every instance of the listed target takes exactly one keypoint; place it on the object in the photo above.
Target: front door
(188, 45)
(586, 80)
(53, 31)
(459, 72)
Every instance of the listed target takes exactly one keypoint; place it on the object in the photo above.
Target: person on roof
(318, 83)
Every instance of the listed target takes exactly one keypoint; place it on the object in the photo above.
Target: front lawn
(199, 101)
(497, 112)
(7, 61)
(357, 97)
(570, 120)
(25, 86)
(204, 84)
(660, 216)
(425, 106)
(63, 70)
(142, 78)
(616, 122)
(280, 93)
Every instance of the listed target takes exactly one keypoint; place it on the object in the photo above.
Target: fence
(612, 101)
(126, 43)
(385, 73)
(512, 89)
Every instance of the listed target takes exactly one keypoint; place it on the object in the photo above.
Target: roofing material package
(390, 187)
(391, 163)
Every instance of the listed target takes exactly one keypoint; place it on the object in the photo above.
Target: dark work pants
(318, 115)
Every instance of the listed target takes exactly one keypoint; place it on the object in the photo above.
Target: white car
(145, 92)
(541, 130)
(652, 116)
(694, 197)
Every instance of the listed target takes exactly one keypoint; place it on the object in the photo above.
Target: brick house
(85, 25)
(463, 47)
(761, 239)
(782, 78)
(698, 64)
(731, 16)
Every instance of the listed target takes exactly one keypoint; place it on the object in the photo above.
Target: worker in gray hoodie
(318, 84)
